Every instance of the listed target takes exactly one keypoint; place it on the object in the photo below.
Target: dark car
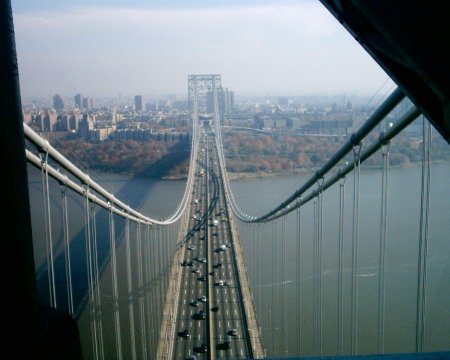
(184, 333)
(215, 308)
(224, 346)
(203, 348)
(184, 263)
(194, 303)
(217, 266)
(202, 278)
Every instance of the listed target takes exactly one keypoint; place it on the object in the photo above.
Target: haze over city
(106, 48)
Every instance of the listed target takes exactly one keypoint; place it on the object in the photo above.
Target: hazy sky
(107, 47)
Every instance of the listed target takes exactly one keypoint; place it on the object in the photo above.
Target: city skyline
(259, 47)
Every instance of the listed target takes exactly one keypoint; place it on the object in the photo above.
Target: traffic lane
(238, 344)
(190, 288)
(229, 316)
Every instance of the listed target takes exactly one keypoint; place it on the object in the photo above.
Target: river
(272, 265)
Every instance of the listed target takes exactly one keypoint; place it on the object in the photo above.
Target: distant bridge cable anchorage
(298, 198)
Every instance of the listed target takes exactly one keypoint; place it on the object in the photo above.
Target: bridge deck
(209, 233)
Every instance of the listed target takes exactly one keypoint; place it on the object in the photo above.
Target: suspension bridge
(114, 282)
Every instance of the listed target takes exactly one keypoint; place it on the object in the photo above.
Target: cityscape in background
(141, 118)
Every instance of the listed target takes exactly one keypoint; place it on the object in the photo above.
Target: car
(184, 263)
(232, 332)
(212, 273)
(224, 346)
(220, 283)
(184, 333)
(194, 303)
(203, 260)
(217, 266)
(202, 278)
(202, 314)
(227, 283)
(190, 263)
(196, 271)
(215, 308)
(191, 247)
(203, 348)
(203, 298)
(228, 245)
(192, 357)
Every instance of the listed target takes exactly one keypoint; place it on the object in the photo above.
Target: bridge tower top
(199, 86)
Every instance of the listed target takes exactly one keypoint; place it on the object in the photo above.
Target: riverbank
(233, 176)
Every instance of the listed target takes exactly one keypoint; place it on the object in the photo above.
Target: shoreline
(234, 176)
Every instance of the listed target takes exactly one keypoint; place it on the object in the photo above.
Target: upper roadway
(209, 237)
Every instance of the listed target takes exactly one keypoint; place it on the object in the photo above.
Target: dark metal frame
(409, 39)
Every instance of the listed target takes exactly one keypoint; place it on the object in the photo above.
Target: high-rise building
(78, 101)
(58, 102)
(229, 101)
(225, 101)
(87, 103)
(139, 104)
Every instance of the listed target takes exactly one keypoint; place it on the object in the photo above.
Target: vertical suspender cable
(147, 283)
(423, 239)
(141, 292)
(340, 320)
(274, 291)
(382, 251)
(97, 300)
(273, 287)
(284, 265)
(319, 262)
(112, 242)
(48, 230)
(158, 277)
(67, 257)
(151, 266)
(90, 271)
(315, 282)
(355, 240)
(130, 297)
(159, 272)
(299, 281)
